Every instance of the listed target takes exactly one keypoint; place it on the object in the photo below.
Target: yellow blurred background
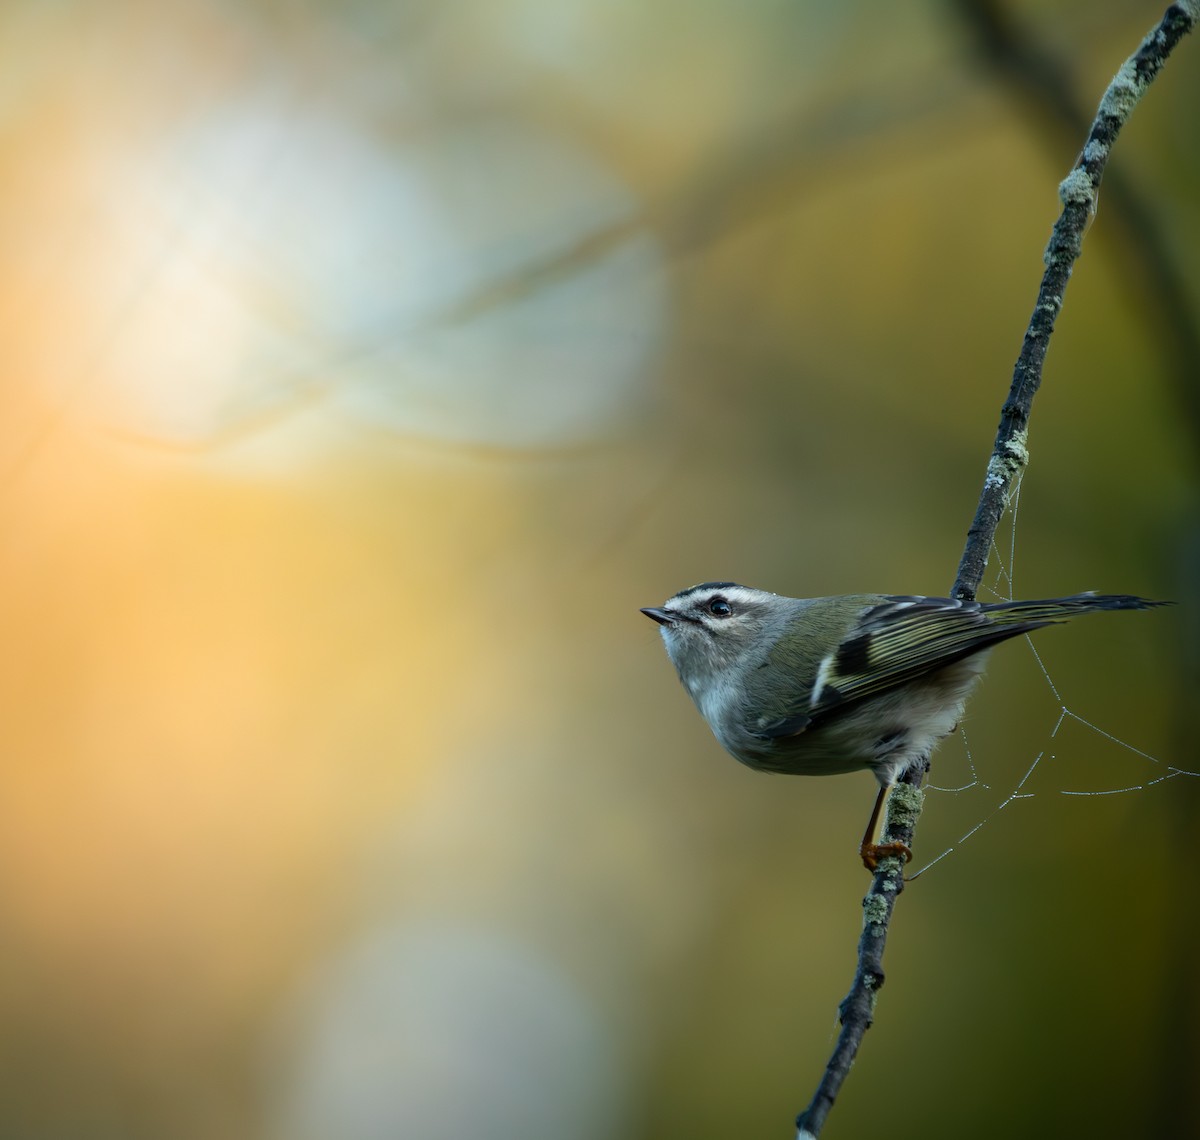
(367, 366)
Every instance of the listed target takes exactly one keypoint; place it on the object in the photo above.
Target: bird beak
(663, 617)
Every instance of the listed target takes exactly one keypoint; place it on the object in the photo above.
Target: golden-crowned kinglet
(815, 686)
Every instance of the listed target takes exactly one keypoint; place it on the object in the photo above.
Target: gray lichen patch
(875, 910)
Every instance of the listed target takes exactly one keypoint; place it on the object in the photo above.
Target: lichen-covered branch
(858, 1007)
(1140, 244)
(1078, 193)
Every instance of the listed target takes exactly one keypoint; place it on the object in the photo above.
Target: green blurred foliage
(371, 365)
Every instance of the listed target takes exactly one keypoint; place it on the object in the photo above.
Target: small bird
(818, 686)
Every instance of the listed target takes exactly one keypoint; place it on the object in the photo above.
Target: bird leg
(870, 851)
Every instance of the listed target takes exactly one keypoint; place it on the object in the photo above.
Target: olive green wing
(893, 641)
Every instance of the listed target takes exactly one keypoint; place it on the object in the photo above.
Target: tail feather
(1050, 610)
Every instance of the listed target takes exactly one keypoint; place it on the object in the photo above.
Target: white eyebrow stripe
(734, 593)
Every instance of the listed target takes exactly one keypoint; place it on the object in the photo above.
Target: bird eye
(719, 607)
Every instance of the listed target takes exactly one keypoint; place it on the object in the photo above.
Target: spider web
(1158, 772)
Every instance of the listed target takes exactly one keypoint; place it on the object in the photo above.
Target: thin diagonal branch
(857, 1010)
(1078, 193)
(1139, 241)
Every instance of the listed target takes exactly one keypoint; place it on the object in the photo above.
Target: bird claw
(872, 853)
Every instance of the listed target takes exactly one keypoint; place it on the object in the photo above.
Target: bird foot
(872, 853)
